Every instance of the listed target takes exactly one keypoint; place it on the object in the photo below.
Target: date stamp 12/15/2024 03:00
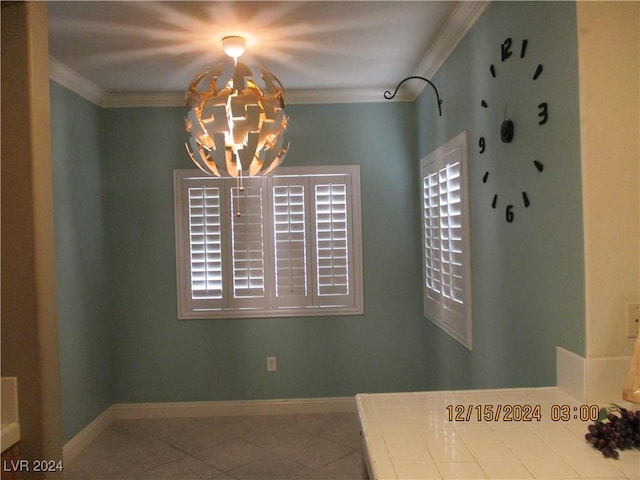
(521, 413)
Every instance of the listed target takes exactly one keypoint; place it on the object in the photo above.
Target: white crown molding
(152, 99)
(456, 27)
(300, 97)
(75, 82)
(452, 32)
(327, 96)
(345, 95)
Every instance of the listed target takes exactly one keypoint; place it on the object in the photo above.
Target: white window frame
(446, 244)
(296, 230)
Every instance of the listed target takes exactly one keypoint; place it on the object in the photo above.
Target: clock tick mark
(537, 72)
(492, 69)
(539, 165)
(525, 200)
(494, 202)
(484, 104)
(485, 177)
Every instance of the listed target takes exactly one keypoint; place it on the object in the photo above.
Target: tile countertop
(416, 436)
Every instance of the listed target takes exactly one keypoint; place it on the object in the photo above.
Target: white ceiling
(126, 49)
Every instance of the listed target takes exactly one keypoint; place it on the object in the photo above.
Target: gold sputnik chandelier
(235, 117)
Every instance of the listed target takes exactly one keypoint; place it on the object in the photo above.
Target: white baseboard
(131, 411)
(78, 443)
(237, 407)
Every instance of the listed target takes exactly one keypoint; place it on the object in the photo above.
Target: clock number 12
(505, 49)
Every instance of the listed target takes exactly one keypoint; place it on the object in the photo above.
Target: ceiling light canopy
(234, 46)
(235, 117)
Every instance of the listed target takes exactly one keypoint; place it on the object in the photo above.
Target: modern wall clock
(512, 81)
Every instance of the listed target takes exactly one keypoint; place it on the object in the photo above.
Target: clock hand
(506, 128)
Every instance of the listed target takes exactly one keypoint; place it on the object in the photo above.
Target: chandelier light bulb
(234, 46)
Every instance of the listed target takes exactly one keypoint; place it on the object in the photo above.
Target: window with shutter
(446, 250)
(282, 245)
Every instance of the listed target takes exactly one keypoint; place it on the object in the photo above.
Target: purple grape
(620, 431)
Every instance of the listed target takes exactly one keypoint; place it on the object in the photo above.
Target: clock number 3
(543, 113)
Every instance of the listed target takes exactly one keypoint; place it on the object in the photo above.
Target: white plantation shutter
(442, 197)
(200, 268)
(446, 249)
(291, 244)
(205, 242)
(283, 245)
(332, 240)
(451, 229)
(247, 245)
(431, 230)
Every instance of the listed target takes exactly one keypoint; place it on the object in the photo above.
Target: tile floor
(304, 447)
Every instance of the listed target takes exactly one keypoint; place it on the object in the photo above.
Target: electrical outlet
(272, 364)
(633, 320)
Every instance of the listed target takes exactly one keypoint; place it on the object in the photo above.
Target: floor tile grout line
(133, 431)
(163, 440)
(313, 469)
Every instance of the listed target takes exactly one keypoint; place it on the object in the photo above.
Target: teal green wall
(121, 341)
(158, 358)
(527, 276)
(81, 258)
